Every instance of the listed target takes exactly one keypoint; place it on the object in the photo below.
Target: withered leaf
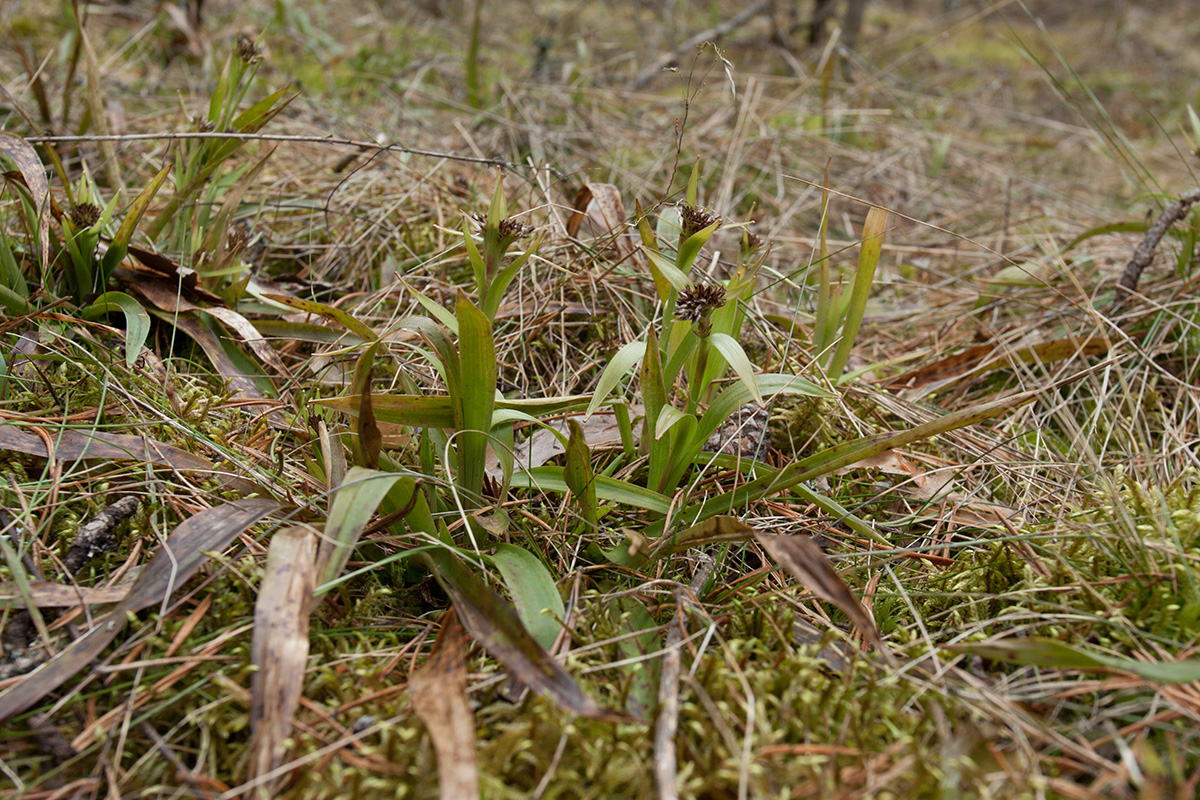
(177, 560)
(73, 445)
(801, 557)
(494, 623)
(279, 649)
(30, 166)
(439, 696)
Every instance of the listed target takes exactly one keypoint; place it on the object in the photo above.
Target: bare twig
(95, 537)
(1145, 251)
(263, 137)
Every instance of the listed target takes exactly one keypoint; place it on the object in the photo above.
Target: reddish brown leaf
(73, 445)
(439, 696)
(801, 557)
(30, 166)
(493, 623)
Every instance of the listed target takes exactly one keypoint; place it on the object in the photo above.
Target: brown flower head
(510, 229)
(696, 304)
(248, 51)
(203, 124)
(695, 219)
(751, 243)
(237, 238)
(85, 215)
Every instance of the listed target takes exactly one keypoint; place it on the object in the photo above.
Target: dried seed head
(695, 219)
(696, 304)
(85, 215)
(203, 124)
(751, 243)
(237, 239)
(247, 50)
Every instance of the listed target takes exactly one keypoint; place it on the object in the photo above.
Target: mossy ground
(989, 133)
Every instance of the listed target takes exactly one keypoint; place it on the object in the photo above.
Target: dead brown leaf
(801, 557)
(57, 595)
(279, 649)
(176, 561)
(439, 696)
(74, 445)
(599, 206)
(30, 166)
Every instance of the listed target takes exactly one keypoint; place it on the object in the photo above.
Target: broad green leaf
(505, 276)
(609, 489)
(477, 394)
(737, 395)
(663, 269)
(728, 347)
(618, 367)
(868, 260)
(667, 418)
(533, 592)
(691, 247)
(354, 503)
(137, 321)
(440, 312)
(1053, 653)
(693, 184)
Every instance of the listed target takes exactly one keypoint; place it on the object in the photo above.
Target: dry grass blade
(439, 696)
(801, 557)
(182, 554)
(279, 650)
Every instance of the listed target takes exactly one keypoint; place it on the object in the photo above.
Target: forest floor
(325, 468)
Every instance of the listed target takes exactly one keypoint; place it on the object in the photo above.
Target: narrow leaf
(868, 260)
(618, 367)
(729, 347)
(1052, 653)
(353, 505)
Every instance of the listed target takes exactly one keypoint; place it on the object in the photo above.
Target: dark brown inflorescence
(510, 229)
(695, 220)
(85, 215)
(248, 51)
(696, 304)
